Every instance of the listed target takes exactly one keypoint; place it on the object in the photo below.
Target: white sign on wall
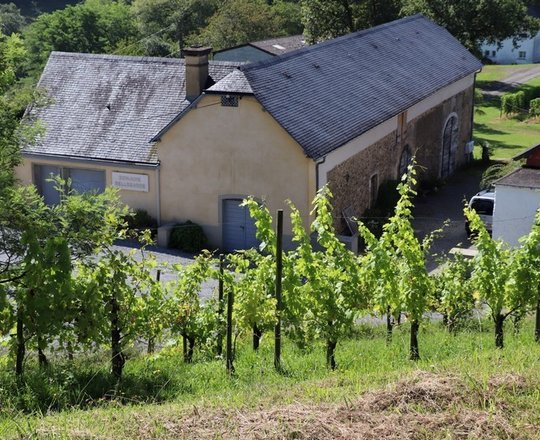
(130, 182)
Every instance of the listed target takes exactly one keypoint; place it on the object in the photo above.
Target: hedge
(534, 107)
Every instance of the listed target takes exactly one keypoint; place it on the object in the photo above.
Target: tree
(399, 259)
(499, 276)
(240, 21)
(94, 26)
(527, 273)
(325, 19)
(475, 21)
(169, 24)
(11, 19)
(330, 287)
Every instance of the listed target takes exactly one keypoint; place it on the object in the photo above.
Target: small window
(522, 54)
(373, 189)
(229, 101)
(486, 53)
(493, 53)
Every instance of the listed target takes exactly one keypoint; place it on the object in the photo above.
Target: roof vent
(287, 75)
(317, 66)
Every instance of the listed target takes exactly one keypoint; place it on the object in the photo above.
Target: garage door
(44, 173)
(84, 181)
(238, 227)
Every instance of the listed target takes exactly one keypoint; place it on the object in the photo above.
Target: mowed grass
(158, 391)
(497, 72)
(507, 135)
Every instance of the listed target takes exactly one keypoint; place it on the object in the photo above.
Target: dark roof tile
(330, 93)
(109, 107)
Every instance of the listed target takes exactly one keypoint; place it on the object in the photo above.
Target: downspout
(158, 195)
(317, 164)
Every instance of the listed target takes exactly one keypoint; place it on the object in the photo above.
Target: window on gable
(493, 53)
(229, 101)
(522, 54)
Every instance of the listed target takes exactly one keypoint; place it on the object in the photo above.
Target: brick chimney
(196, 59)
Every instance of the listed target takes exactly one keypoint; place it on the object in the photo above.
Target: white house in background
(525, 52)
(517, 198)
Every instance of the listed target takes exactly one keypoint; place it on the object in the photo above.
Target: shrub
(188, 237)
(534, 107)
(140, 219)
(513, 102)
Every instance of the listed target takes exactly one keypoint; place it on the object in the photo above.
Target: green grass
(507, 135)
(496, 72)
(69, 400)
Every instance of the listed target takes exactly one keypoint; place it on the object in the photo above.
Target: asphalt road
(520, 76)
(445, 205)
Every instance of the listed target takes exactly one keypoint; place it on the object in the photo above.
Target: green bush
(188, 237)
(513, 102)
(534, 107)
(140, 219)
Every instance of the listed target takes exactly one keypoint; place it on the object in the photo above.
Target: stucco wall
(134, 199)
(379, 151)
(514, 212)
(215, 152)
(508, 54)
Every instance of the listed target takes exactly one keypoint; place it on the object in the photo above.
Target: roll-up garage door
(84, 181)
(239, 230)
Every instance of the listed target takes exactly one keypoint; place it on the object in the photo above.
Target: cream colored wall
(134, 199)
(215, 152)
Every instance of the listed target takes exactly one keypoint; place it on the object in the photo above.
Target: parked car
(483, 203)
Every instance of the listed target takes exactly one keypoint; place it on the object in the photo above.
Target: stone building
(189, 139)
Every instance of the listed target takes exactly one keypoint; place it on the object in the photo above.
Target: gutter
(89, 160)
(318, 163)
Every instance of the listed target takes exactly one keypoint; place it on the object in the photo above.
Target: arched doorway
(449, 146)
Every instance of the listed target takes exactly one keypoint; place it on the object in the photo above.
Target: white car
(483, 203)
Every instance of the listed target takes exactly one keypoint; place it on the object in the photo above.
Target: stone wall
(350, 180)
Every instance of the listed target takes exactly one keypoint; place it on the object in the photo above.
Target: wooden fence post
(229, 355)
(220, 306)
(279, 273)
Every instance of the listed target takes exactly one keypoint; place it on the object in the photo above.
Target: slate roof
(521, 178)
(109, 107)
(330, 93)
(235, 82)
(279, 46)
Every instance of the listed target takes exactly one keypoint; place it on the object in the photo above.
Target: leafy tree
(527, 273)
(39, 244)
(474, 21)
(93, 26)
(499, 276)
(399, 263)
(169, 24)
(331, 289)
(453, 296)
(190, 318)
(118, 301)
(11, 20)
(240, 21)
(325, 19)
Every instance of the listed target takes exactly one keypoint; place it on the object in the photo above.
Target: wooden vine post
(220, 306)
(279, 273)
(229, 354)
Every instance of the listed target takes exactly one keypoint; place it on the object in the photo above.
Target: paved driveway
(520, 76)
(432, 210)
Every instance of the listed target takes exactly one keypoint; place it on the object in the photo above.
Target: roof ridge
(317, 46)
(135, 58)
